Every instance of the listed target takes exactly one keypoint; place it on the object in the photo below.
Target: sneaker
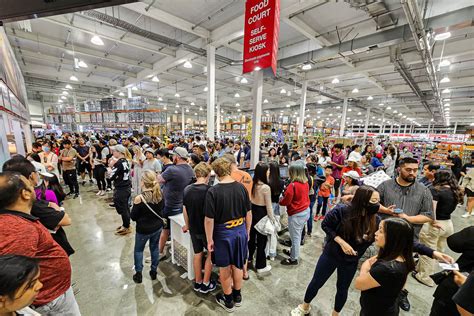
(76, 196)
(228, 306)
(208, 288)
(197, 287)
(321, 218)
(124, 231)
(289, 262)
(91, 181)
(98, 193)
(102, 193)
(83, 183)
(466, 215)
(70, 193)
(137, 277)
(109, 189)
(316, 218)
(263, 270)
(153, 275)
(300, 311)
(237, 298)
(112, 205)
(403, 300)
(287, 252)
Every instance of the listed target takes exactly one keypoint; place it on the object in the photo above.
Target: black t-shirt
(82, 150)
(457, 165)
(382, 300)
(147, 221)
(121, 174)
(194, 200)
(446, 202)
(464, 297)
(227, 201)
(276, 193)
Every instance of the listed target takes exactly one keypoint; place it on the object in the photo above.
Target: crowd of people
(236, 217)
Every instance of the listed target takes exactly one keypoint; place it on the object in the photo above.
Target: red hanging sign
(262, 27)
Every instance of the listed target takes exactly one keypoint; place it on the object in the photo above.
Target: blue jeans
(140, 242)
(276, 209)
(295, 227)
(324, 269)
(310, 219)
(63, 305)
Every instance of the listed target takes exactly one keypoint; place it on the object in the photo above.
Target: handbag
(440, 276)
(266, 226)
(165, 222)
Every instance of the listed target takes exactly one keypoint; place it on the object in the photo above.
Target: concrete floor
(103, 269)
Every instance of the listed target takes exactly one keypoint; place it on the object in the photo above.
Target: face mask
(373, 208)
(46, 149)
(405, 150)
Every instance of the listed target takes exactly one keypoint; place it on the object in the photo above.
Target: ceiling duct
(377, 9)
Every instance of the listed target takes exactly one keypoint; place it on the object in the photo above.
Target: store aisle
(103, 263)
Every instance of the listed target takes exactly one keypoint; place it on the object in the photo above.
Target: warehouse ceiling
(361, 50)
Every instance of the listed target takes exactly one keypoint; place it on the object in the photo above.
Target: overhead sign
(262, 27)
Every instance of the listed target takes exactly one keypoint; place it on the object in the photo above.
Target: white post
(183, 125)
(129, 93)
(391, 128)
(429, 125)
(455, 127)
(211, 90)
(405, 129)
(218, 120)
(302, 109)
(366, 127)
(257, 92)
(343, 118)
(382, 127)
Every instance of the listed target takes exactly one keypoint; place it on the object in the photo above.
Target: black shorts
(167, 212)
(337, 183)
(83, 166)
(469, 193)
(199, 242)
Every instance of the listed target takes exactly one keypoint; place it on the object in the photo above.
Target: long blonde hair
(151, 188)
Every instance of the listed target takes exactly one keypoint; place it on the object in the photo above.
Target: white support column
(129, 93)
(302, 109)
(400, 128)
(405, 129)
(455, 127)
(391, 128)
(366, 127)
(211, 91)
(429, 125)
(257, 92)
(183, 125)
(382, 127)
(342, 126)
(218, 120)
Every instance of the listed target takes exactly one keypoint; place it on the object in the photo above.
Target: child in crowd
(324, 193)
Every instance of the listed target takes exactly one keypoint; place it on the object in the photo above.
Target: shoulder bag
(165, 222)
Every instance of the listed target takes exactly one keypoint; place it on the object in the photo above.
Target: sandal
(246, 278)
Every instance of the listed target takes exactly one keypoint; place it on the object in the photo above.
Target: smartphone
(398, 211)
(447, 266)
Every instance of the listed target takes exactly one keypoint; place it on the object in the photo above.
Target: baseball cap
(181, 152)
(149, 150)
(119, 148)
(352, 159)
(351, 174)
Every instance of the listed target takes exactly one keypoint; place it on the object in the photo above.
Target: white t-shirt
(324, 161)
(355, 155)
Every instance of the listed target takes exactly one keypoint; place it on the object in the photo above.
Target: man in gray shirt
(410, 196)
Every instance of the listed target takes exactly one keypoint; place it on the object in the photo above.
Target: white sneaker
(266, 269)
(466, 215)
(102, 193)
(98, 193)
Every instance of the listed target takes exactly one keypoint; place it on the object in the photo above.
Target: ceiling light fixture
(82, 64)
(65, 92)
(121, 94)
(160, 99)
(265, 101)
(96, 40)
(205, 89)
(237, 104)
(60, 101)
(445, 80)
(187, 64)
(73, 78)
(444, 63)
(200, 108)
(176, 95)
(306, 66)
(283, 91)
(335, 81)
(155, 79)
(381, 104)
(355, 90)
(63, 97)
(244, 80)
(192, 103)
(442, 36)
(134, 88)
(288, 105)
(236, 95)
(68, 86)
(320, 101)
(370, 98)
(447, 105)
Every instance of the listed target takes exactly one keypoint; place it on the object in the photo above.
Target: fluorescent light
(446, 100)
(236, 95)
(160, 99)
(244, 80)
(306, 67)
(381, 104)
(65, 92)
(175, 112)
(370, 98)
(195, 113)
(187, 110)
(283, 91)
(177, 105)
(176, 95)
(63, 97)
(68, 86)
(82, 64)
(237, 104)
(164, 107)
(395, 111)
(447, 105)
(355, 90)
(288, 105)
(121, 94)
(73, 78)
(320, 101)
(200, 108)
(446, 91)
(134, 88)
(155, 79)
(444, 63)
(265, 101)
(444, 80)
(359, 113)
(335, 81)
(389, 107)
(442, 36)
(349, 110)
(338, 107)
(192, 103)
(96, 40)
(238, 110)
(60, 101)
(400, 114)
(187, 64)
(205, 89)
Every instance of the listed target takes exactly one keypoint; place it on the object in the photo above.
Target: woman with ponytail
(147, 212)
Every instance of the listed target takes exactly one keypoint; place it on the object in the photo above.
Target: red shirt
(296, 198)
(324, 190)
(23, 234)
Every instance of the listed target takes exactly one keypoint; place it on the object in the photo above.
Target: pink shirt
(49, 195)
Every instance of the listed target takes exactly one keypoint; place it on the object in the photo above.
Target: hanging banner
(262, 27)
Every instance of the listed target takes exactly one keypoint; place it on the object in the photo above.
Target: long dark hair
(359, 222)
(284, 150)
(445, 177)
(325, 152)
(399, 236)
(15, 271)
(260, 175)
(274, 180)
(98, 152)
(56, 188)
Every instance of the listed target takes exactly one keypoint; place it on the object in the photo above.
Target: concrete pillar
(218, 120)
(399, 128)
(391, 128)
(382, 127)
(211, 91)
(257, 92)
(183, 125)
(302, 109)
(405, 129)
(455, 127)
(429, 125)
(342, 126)
(366, 127)
(129, 93)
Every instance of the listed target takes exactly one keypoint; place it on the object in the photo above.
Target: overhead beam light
(160, 99)
(370, 98)
(288, 105)
(445, 80)
(68, 86)
(237, 104)
(73, 78)
(355, 90)
(63, 97)
(244, 80)
(265, 101)
(192, 103)
(446, 91)
(134, 88)
(447, 105)
(381, 104)
(320, 101)
(444, 63)
(283, 91)
(442, 36)
(65, 92)
(121, 94)
(306, 66)
(236, 95)
(205, 89)
(335, 81)
(82, 64)
(155, 79)
(187, 64)
(96, 40)
(177, 95)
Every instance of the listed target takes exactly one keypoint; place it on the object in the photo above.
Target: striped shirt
(414, 200)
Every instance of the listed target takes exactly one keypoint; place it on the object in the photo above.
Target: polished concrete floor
(103, 269)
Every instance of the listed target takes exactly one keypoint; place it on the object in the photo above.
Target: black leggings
(324, 269)
(99, 175)
(121, 197)
(322, 202)
(257, 242)
(70, 178)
